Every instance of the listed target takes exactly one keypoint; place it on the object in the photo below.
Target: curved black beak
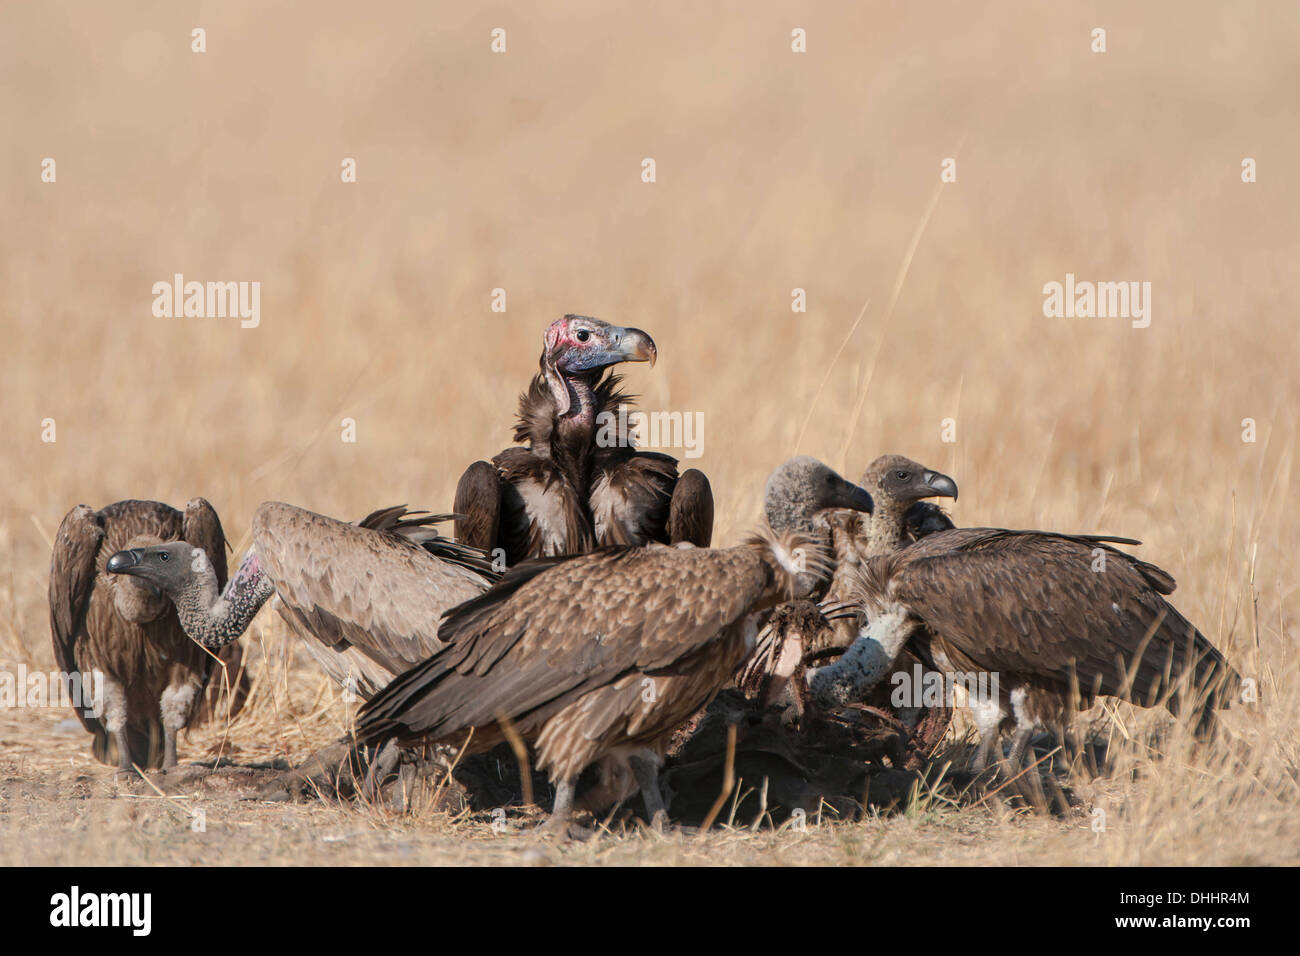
(941, 485)
(859, 499)
(125, 562)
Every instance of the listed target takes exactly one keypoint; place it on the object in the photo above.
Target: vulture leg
(690, 514)
(557, 825)
(647, 778)
(1077, 748)
(988, 740)
(115, 722)
(177, 704)
(380, 767)
(987, 715)
(478, 502)
(1019, 744)
(408, 774)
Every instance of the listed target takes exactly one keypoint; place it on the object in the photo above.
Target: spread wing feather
(347, 586)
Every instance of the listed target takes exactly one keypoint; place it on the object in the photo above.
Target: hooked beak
(621, 345)
(941, 485)
(860, 499)
(636, 346)
(125, 562)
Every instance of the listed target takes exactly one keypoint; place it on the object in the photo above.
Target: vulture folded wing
(1040, 606)
(202, 528)
(353, 587)
(478, 503)
(690, 516)
(551, 631)
(72, 579)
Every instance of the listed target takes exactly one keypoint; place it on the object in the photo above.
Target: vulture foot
(385, 761)
(326, 772)
(1016, 759)
(558, 825)
(646, 770)
(564, 831)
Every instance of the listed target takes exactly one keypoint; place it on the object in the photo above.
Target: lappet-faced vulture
(365, 598)
(1056, 618)
(562, 491)
(153, 675)
(596, 656)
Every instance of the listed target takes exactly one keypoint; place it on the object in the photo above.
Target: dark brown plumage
(562, 491)
(1041, 612)
(597, 655)
(154, 676)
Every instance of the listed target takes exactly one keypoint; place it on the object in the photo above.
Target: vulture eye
(164, 556)
(901, 475)
(583, 335)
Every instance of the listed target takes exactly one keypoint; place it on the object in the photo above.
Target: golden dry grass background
(775, 171)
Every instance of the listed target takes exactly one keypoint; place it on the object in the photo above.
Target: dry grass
(775, 171)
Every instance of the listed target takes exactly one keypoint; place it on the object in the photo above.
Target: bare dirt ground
(59, 807)
(776, 171)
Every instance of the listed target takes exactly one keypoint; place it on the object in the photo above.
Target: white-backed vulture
(1042, 613)
(566, 490)
(899, 484)
(803, 493)
(599, 655)
(153, 675)
(365, 598)
(900, 488)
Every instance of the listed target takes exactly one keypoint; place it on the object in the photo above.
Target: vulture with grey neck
(126, 633)
(1058, 619)
(567, 488)
(365, 598)
(601, 657)
(895, 488)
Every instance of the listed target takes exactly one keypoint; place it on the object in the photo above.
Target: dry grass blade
(521, 755)
(728, 782)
